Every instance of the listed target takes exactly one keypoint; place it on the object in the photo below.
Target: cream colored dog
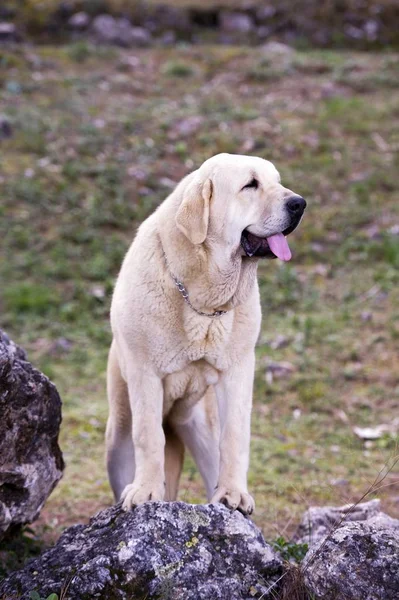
(185, 319)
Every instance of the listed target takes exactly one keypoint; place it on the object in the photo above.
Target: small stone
(99, 123)
(372, 433)
(321, 270)
(8, 32)
(277, 48)
(265, 13)
(280, 369)
(373, 232)
(339, 482)
(63, 344)
(104, 28)
(170, 17)
(137, 173)
(123, 33)
(371, 28)
(120, 32)
(5, 128)
(140, 37)
(366, 316)
(187, 127)
(98, 291)
(354, 32)
(263, 32)
(167, 182)
(280, 341)
(44, 162)
(236, 22)
(168, 38)
(79, 21)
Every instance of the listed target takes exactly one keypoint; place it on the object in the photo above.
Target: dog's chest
(208, 339)
(198, 339)
(185, 388)
(204, 351)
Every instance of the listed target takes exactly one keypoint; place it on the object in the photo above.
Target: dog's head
(240, 202)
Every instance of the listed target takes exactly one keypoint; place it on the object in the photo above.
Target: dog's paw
(234, 498)
(138, 493)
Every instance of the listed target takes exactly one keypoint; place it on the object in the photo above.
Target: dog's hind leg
(119, 443)
(200, 433)
(174, 457)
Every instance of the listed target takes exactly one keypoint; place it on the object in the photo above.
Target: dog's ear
(193, 215)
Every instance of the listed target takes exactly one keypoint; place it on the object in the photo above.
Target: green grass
(94, 141)
(36, 596)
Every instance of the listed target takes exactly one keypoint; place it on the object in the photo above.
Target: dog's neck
(212, 285)
(215, 274)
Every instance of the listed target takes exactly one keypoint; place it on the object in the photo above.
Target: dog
(185, 318)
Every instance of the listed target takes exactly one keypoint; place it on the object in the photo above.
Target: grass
(94, 150)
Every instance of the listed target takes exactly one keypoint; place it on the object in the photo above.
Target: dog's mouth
(273, 246)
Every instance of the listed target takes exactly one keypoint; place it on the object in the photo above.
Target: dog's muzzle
(275, 246)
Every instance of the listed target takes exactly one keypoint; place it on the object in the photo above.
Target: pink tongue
(279, 246)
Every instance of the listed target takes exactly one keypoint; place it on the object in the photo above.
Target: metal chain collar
(184, 293)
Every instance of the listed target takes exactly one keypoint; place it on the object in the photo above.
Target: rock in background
(318, 521)
(159, 550)
(31, 462)
(106, 29)
(354, 553)
(369, 23)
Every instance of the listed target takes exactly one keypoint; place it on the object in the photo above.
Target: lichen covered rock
(31, 462)
(354, 555)
(318, 521)
(159, 550)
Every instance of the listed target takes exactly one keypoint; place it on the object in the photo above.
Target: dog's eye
(253, 184)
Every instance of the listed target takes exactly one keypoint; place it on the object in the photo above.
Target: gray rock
(159, 550)
(6, 130)
(140, 37)
(354, 552)
(8, 32)
(317, 522)
(79, 21)
(170, 17)
(354, 32)
(371, 28)
(358, 561)
(168, 38)
(277, 48)
(104, 28)
(31, 462)
(187, 127)
(263, 32)
(236, 22)
(265, 13)
(108, 30)
(124, 32)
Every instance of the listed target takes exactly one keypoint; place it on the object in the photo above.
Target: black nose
(296, 205)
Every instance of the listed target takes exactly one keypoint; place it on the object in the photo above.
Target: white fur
(171, 369)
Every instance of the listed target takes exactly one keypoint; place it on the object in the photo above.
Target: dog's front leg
(234, 394)
(146, 402)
